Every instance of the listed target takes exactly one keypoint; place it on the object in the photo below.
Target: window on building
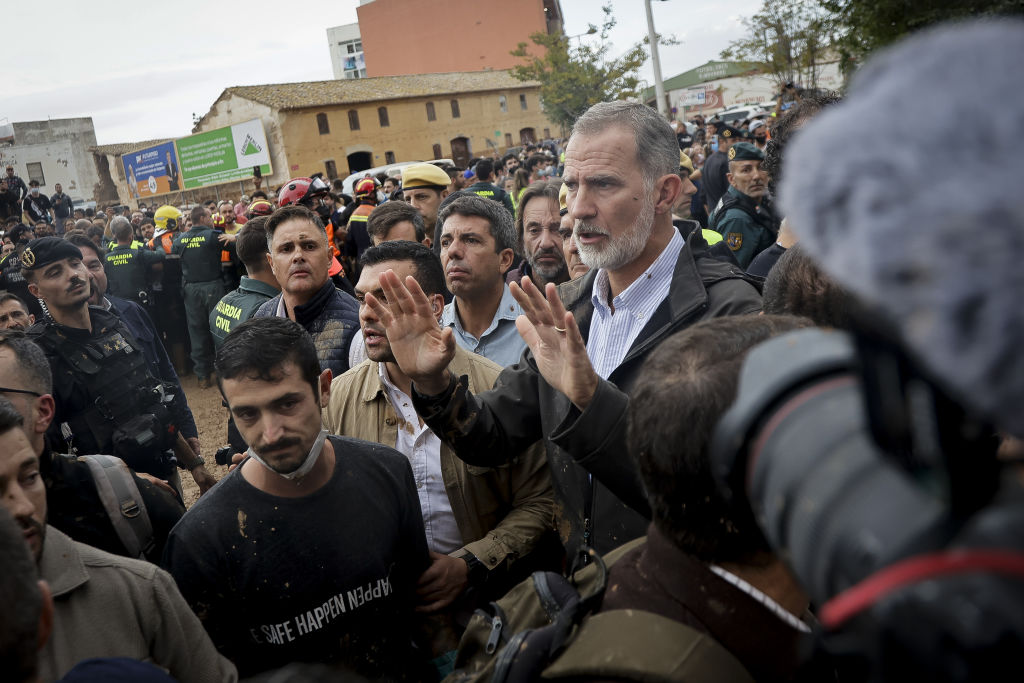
(437, 151)
(431, 114)
(353, 119)
(382, 116)
(389, 157)
(455, 109)
(351, 48)
(522, 101)
(359, 46)
(508, 139)
(547, 133)
(321, 123)
(332, 169)
(503, 103)
(35, 171)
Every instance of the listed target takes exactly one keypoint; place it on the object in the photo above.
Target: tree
(867, 25)
(574, 78)
(788, 40)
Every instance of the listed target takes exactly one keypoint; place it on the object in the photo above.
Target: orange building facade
(437, 36)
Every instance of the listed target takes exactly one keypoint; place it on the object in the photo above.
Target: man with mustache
(104, 605)
(746, 228)
(477, 246)
(537, 224)
(588, 337)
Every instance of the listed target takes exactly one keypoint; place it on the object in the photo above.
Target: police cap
(43, 251)
(727, 131)
(418, 176)
(744, 151)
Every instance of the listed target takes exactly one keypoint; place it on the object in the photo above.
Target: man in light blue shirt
(477, 248)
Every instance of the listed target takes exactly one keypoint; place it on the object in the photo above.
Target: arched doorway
(359, 161)
(461, 151)
(527, 136)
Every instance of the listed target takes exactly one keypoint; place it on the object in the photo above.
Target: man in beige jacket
(479, 521)
(104, 605)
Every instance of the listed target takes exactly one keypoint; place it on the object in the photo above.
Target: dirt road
(212, 420)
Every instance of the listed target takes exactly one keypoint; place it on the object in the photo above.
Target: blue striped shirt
(612, 334)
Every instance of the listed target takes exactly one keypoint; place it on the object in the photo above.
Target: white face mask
(305, 467)
(35, 190)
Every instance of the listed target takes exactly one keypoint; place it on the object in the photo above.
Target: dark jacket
(331, 317)
(488, 429)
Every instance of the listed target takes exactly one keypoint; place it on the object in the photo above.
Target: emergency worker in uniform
(130, 269)
(10, 268)
(106, 400)
(358, 239)
(424, 186)
(230, 266)
(169, 309)
(202, 285)
(746, 226)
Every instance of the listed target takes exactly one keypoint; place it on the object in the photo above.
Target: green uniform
(128, 272)
(238, 306)
(745, 229)
(202, 287)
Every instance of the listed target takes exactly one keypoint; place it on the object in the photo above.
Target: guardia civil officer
(202, 285)
(106, 400)
(746, 226)
(129, 268)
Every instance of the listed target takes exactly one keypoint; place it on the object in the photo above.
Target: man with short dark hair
(714, 182)
(16, 191)
(14, 313)
(479, 523)
(103, 385)
(540, 242)
(254, 289)
(202, 285)
(300, 259)
(310, 549)
(129, 269)
(485, 187)
(11, 278)
(477, 248)
(396, 221)
(104, 605)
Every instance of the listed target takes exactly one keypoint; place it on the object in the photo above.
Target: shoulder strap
(729, 201)
(633, 642)
(123, 503)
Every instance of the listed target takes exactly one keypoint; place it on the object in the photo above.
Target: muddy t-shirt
(328, 577)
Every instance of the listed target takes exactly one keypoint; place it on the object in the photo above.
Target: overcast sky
(140, 70)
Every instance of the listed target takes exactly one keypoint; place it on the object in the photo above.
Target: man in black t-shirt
(311, 548)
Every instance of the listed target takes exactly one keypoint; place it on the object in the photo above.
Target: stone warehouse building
(340, 127)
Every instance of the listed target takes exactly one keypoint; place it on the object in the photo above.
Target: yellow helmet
(167, 217)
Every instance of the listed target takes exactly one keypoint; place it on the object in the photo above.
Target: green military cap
(417, 176)
(744, 151)
(43, 251)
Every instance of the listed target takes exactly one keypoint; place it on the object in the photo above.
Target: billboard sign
(224, 154)
(152, 171)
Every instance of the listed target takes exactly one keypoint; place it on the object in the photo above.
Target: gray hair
(657, 148)
(121, 228)
(497, 216)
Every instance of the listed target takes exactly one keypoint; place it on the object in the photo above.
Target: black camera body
(881, 494)
(223, 455)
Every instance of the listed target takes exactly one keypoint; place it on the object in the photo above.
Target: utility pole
(659, 87)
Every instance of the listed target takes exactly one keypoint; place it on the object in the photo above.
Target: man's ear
(444, 193)
(505, 258)
(33, 289)
(428, 242)
(728, 177)
(437, 305)
(44, 409)
(667, 190)
(325, 387)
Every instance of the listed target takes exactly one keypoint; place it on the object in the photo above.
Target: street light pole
(659, 87)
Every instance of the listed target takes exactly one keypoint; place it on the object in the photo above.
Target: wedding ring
(559, 329)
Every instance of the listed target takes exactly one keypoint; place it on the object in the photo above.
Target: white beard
(621, 250)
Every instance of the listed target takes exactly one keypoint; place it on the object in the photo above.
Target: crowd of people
(458, 388)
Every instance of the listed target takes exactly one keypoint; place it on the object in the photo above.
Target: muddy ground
(212, 420)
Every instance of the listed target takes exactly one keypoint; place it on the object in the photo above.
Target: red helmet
(301, 191)
(218, 220)
(366, 186)
(260, 207)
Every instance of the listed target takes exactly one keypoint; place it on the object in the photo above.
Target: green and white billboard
(225, 154)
